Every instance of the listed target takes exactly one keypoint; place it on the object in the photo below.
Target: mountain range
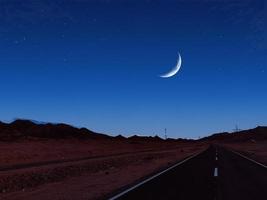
(31, 129)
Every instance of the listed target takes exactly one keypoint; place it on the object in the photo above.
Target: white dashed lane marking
(215, 172)
(216, 168)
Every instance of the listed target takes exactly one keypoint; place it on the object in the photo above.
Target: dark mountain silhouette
(27, 128)
(120, 137)
(144, 138)
(257, 134)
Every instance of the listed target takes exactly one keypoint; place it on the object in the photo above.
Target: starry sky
(96, 64)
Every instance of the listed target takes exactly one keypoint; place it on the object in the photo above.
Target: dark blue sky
(96, 64)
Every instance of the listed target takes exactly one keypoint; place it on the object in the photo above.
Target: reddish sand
(88, 169)
(256, 150)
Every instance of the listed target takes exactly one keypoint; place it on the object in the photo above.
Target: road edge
(243, 156)
(155, 176)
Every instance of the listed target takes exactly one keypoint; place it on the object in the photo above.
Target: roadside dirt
(63, 169)
(256, 150)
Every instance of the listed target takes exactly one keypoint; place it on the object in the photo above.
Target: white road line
(249, 159)
(152, 177)
(215, 172)
(216, 158)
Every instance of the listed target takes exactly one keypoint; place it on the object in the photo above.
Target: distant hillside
(32, 129)
(26, 128)
(257, 134)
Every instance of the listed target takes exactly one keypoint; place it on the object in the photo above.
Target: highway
(215, 174)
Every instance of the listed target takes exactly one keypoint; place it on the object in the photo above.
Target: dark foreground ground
(70, 169)
(237, 178)
(61, 162)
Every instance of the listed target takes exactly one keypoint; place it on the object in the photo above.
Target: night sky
(96, 64)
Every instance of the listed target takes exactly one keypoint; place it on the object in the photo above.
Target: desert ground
(77, 169)
(256, 150)
(58, 161)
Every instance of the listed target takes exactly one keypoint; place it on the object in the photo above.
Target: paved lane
(193, 179)
(215, 174)
(240, 178)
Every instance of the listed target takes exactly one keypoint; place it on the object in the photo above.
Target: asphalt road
(216, 173)
(240, 178)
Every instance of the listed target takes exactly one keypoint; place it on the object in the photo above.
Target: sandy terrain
(36, 150)
(76, 169)
(256, 150)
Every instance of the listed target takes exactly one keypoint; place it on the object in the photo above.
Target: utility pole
(165, 130)
(236, 129)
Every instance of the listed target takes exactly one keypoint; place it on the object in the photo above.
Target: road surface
(216, 173)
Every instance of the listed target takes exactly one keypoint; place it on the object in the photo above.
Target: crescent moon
(175, 69)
